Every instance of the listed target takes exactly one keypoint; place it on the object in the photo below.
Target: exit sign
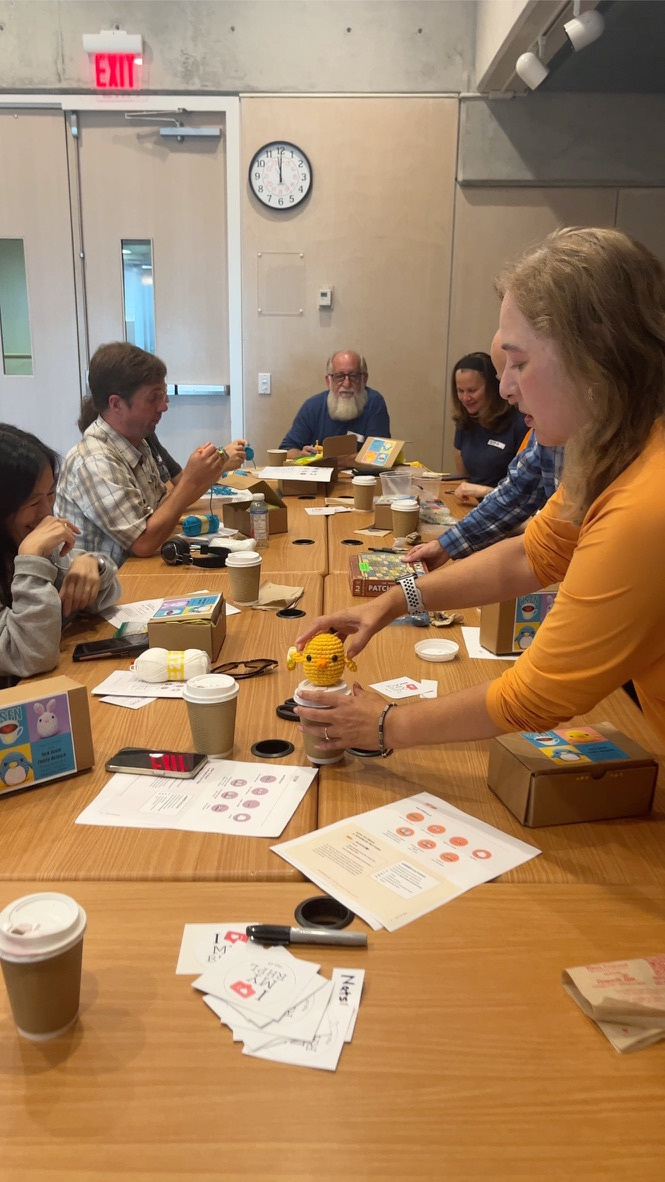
(117, 71)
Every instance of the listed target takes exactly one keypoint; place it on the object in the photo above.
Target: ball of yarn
(200, 523)
(161, 664)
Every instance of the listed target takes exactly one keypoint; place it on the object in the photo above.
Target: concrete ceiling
(629, 58)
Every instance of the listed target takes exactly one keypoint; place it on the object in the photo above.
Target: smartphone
(115, 646)
(181, 765)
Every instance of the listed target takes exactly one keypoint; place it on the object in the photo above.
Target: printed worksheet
(396, 863)
(122, 683)
(250, 799)
(476, 650)
(296, 472)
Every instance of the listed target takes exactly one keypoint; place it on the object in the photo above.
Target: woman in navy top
(488, 431)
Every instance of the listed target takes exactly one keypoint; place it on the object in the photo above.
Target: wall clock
(280, 175)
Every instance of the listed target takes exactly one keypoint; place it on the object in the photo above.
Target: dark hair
(120, 369)
(23, 458)
(496, 413)
(88, 414)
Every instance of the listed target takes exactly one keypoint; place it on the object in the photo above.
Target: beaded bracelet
(382, 741)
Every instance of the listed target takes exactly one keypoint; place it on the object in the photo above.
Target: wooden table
(469, 1062)
(37, 832)
(621, 851)
(342, 528)
(303, 548)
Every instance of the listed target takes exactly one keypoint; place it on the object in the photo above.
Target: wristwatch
(414, 600)
(101, 565)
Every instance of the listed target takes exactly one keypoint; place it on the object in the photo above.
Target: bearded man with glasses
(347, 406)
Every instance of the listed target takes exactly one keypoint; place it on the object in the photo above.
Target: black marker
(271, 934)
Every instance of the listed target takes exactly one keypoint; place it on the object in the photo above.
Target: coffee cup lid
(364, 480)
(405, 503)
(40, 925)
(244, 558)
(340, 687)
(210, 689)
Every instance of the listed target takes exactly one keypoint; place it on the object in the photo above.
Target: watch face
(280, 175)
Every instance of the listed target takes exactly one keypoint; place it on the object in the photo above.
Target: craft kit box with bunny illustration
(44, 733)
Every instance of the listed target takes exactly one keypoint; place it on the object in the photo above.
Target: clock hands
(280, 153)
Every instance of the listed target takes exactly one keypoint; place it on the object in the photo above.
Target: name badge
(496, 443)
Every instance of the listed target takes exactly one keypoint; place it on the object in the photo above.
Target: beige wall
(378, 228)
(493, 226)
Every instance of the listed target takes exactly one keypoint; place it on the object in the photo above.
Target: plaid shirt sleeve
(530, 481)
(115, 505)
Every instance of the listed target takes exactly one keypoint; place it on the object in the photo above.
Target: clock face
(280, 175)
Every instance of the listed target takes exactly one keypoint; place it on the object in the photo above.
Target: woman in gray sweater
(43, 578)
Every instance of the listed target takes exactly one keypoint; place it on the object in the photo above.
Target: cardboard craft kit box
(372, 574)
(194, 621)
(379, 455)
(572, 773)
(510, 627)
(44, 733)
(235, 514)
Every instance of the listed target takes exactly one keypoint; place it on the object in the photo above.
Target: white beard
(342, 410)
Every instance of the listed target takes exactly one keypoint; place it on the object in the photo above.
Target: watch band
(414, 600)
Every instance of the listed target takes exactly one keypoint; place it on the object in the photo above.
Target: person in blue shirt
(533, 476)
(488, 432)
(347, 406)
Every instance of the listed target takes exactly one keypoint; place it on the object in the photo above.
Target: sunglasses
(240, 669)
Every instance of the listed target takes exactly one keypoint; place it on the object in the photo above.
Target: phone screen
(180, 764)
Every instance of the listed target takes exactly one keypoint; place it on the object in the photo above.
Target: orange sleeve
(526, 440)
(607, 622)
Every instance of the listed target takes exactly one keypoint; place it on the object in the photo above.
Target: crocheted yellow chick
(323, 659)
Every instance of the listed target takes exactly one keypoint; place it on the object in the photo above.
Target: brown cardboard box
(295, 488)
(572, 773)
(188, 632)
(44, 733)
(236, 515)
(510, 627)
(379, 455)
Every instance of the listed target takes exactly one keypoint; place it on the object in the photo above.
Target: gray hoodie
(30, 629)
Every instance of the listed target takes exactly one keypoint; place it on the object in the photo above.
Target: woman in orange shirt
(583, 329)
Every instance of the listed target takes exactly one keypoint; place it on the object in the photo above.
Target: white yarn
(160, 664)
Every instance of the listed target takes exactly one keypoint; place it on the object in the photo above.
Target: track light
(584, 27)
(531, 68)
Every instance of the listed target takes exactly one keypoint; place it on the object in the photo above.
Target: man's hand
(52, 533)
(236, 455)
(431, 553)
(80, 586)
(202, 469)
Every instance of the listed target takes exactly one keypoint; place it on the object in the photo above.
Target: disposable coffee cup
(276, 457)
(363, 491)
(244, 568)
(41, 947)
(324, 755)
(405, 514)
(211, 705)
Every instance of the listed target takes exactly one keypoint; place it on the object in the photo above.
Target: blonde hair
(600, 296)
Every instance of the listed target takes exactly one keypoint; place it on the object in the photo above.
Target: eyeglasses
(354, 376)
(252, 668)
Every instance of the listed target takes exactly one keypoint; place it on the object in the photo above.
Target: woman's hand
(466, 491)
(52, 533)
(353, 722)
(431, 553)
(80, 586)
(236, 453)
(360, 623)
